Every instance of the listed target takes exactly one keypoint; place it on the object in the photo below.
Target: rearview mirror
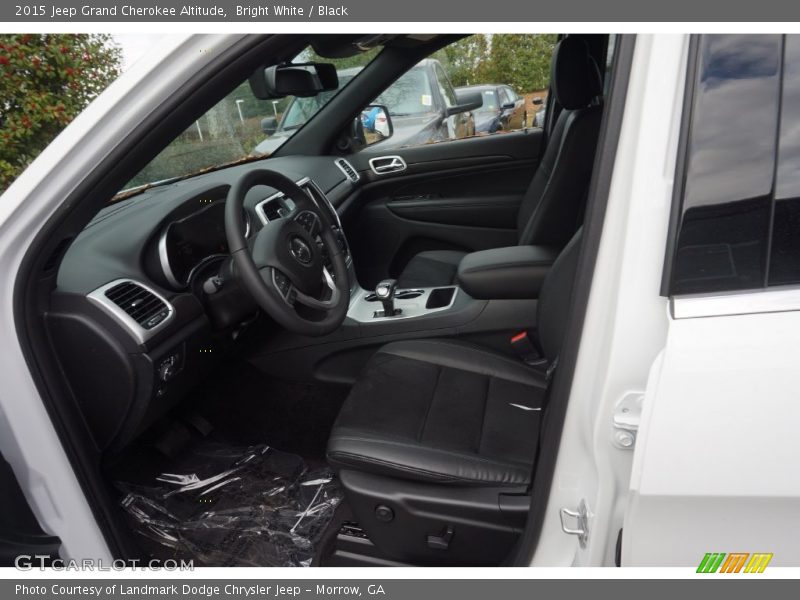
(376, 123)
(303, 80)
(269, 125)
(467, 100)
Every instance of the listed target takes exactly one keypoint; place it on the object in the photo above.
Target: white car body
(715, 447)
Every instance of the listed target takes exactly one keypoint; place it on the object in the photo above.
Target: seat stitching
(485, 406)
(421, 431)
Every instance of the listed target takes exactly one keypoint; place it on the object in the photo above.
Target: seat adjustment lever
(441, 541)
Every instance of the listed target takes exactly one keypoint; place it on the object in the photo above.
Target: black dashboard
(128, 290)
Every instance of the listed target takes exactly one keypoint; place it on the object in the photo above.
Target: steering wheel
(285, 268)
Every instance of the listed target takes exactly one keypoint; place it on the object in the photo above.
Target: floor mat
(234, 506)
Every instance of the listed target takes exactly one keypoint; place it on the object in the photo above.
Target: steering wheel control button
(384, 514)
(300, 250)
(308, 221)
(282, 283)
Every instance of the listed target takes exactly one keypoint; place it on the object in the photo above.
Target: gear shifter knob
(384, 292)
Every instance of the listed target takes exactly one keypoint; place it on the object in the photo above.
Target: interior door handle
(382, 165)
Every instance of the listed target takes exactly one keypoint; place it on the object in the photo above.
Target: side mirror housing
(269, 125)
(303, 80)
(508, 106)
(467, 100)
(376, 123)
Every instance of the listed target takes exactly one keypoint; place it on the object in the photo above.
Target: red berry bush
(45, 81)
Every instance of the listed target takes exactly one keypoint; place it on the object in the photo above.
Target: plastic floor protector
(228, 506)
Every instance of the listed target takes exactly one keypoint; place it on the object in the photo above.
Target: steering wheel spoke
(282, 285)
(318, 303)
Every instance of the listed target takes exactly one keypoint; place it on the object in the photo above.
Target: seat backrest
(551, 210)
(553, 306)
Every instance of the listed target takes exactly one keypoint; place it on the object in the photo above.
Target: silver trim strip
(163, 258)
(397, 165)
(351, 178)
(735, 303)
(141, 334)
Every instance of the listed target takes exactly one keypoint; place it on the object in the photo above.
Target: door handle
(383, 165)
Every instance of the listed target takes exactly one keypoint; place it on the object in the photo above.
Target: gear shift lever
(384, 291)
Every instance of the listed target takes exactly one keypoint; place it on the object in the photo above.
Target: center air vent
(348, 170)
(140, 304)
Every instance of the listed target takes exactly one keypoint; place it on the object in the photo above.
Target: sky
(135, 45)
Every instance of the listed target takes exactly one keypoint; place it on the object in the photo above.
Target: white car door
(715, 483)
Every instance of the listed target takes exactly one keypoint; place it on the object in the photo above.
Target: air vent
(348, 170)
(140, 304)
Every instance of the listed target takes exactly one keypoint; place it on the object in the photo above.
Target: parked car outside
(538, 118)
(503, 109)
(417, 103)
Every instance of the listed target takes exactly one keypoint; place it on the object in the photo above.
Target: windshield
(241, 126)
(409, 95)
(301, 110)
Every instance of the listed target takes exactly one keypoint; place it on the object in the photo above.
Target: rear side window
(784, 263)
(733, 180)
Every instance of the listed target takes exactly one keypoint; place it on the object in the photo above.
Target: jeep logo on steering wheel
(300, 250)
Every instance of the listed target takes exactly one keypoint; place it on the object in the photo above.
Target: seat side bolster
(399, 458)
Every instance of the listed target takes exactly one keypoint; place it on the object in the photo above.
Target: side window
(784, 260)
(739, 225)
(504, 97)
(500, 68)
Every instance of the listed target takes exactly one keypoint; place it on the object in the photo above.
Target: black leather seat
(443, 412)
(552, 207)
(449, 423)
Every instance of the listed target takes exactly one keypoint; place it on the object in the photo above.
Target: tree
(45, 81)
(466, 61)
(522, 61)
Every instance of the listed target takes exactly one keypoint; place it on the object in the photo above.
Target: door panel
(20, 533)
(456, 195)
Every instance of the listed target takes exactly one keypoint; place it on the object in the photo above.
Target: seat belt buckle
(523, 347)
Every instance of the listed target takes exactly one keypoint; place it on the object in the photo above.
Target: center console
(366, 306)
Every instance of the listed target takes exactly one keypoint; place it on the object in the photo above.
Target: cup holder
(440, 297)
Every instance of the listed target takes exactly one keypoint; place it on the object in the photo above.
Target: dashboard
(130, 291)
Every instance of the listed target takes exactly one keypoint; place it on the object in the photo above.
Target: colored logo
(735, 562)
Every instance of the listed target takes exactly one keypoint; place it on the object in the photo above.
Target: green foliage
(466, 61)
(45, 81)
(519, 60)
(522, 61)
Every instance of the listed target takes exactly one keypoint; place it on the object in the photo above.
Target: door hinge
(576, 522)
(627, 415)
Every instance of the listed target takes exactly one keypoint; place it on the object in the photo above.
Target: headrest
(574, 76)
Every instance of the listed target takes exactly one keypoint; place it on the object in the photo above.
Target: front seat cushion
(441, 411)
(430, 269)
